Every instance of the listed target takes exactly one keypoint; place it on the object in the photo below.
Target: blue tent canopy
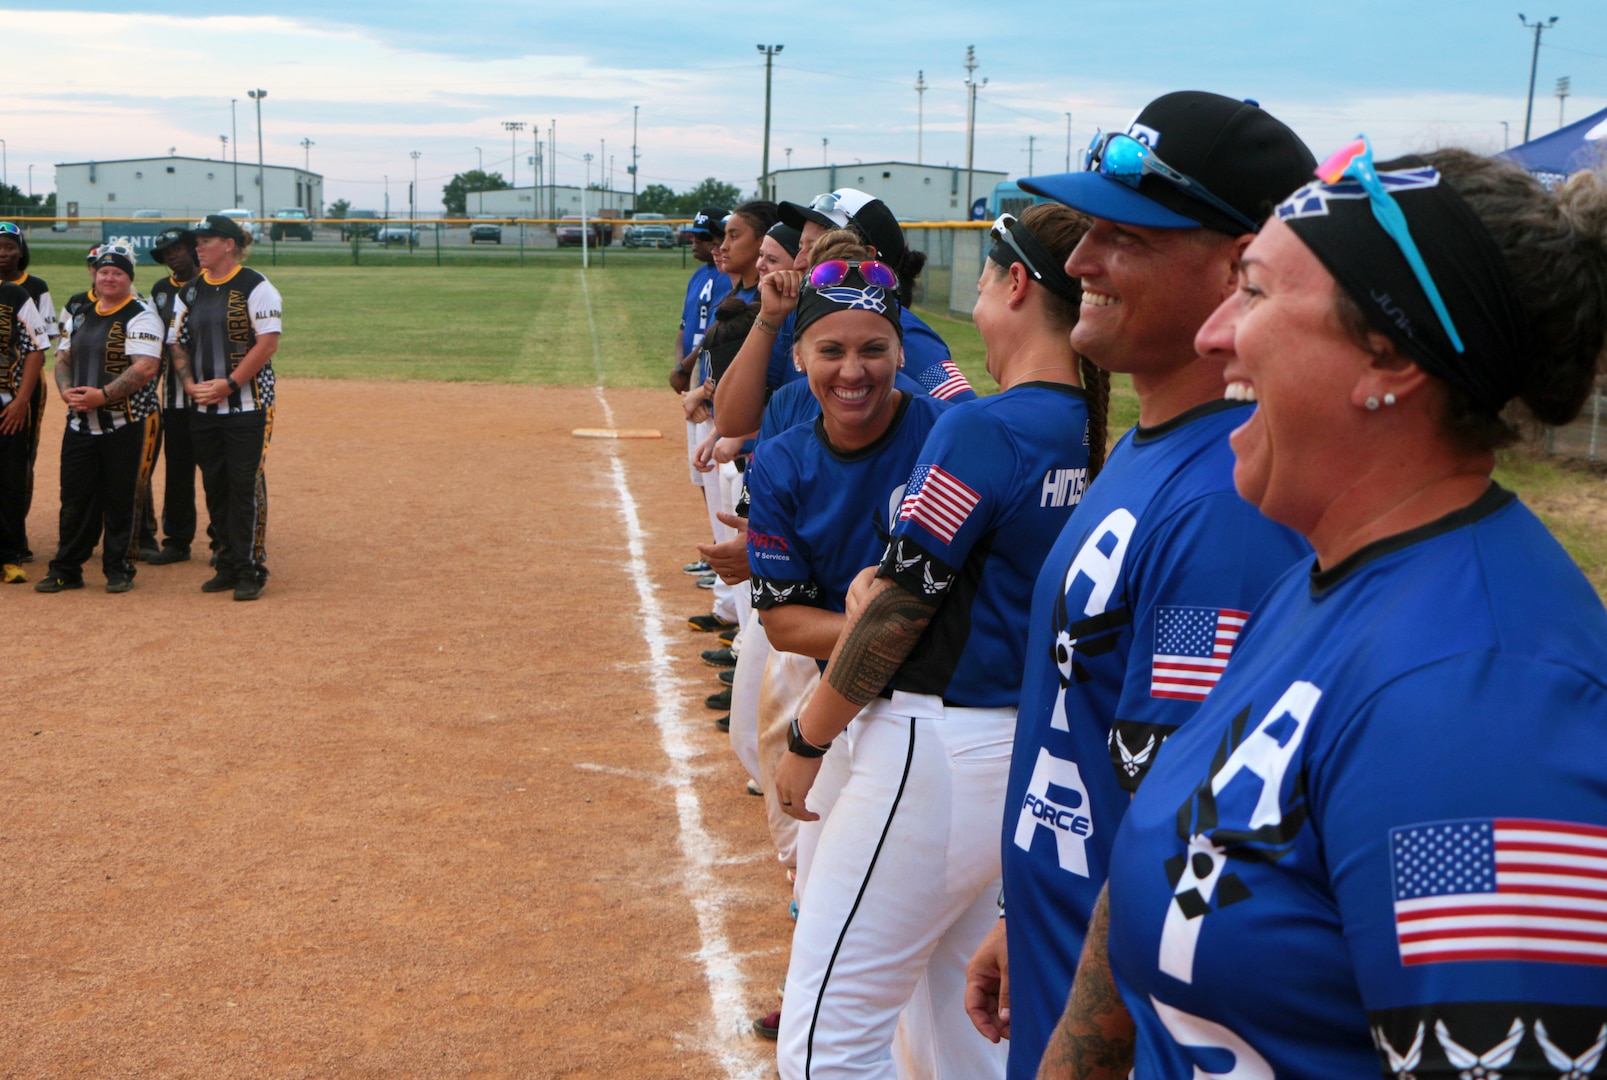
(1580, 145)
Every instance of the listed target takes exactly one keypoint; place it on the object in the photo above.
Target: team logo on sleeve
(1192, 646)
(938, 501)
(1500, 889)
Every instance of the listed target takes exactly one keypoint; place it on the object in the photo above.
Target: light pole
(234, 137)
(920, 113)
(552, 150)
(30, 185)
(970, 126)
(262, 187)
(306, 149)
(387, 180)
(1506, 135)
(224, 140)
(1030, 140)
(636, 114)
(1539, 28)
(823, 144)
(513, 127)
(770, 54)
(480, 184)
(585, 230)
(1562, 95)
(5, 177)
(1068, 142)
(415, 155)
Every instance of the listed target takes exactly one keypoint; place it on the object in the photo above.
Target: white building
(545, 202)
(912, 192)
(181, 187)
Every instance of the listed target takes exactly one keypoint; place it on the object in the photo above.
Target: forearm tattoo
(181, 366)
(881, 639)
(64, 373)
(125, 384)
(1095, 1038)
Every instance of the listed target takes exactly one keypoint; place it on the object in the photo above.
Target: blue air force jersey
(1382, 843)
(796, 404)
(1133, 618)
(819, 516)
(927, 361)
(704, 291)
(993, 486)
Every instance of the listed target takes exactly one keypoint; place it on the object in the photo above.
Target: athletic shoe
(705, 623)
(169, 555)
(220, 582)
(149, 552)
(11, 574)
(754, 788)
(699, 567)
(707, 581)
(247, 589)
(720, 657)
(727, 636)
(720, 701)
(56, 583)
(120, 583)
(768, 1027)
(724, 722)
(728, 676)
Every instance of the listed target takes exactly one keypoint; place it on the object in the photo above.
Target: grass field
(500, 322)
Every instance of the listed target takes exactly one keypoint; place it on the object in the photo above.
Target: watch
(233, 386)
(801, 746)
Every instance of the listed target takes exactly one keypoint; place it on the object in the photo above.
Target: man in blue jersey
(1140, 600)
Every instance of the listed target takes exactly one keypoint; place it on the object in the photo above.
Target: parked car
(363, 223)
(291, 221)
(485, 227)
(242, 217)
(569, 232)
(397, 234)
(651, 236)
(149, 214)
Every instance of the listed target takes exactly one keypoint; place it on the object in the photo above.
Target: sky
(369, 82)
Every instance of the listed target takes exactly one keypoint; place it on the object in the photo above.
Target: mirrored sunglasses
(835, 272)
(1124, 159)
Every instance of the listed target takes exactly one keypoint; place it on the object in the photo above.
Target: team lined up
(1252, 750)
(189, 370)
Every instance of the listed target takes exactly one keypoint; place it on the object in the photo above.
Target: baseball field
(446, 801)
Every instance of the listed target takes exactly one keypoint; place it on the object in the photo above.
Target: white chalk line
(700, 851)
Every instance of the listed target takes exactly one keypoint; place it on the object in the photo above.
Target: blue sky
(369, 82)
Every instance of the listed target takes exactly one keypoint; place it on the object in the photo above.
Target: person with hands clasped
(926, 671)
(22, 357)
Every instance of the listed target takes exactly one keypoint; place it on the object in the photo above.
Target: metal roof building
(182, 187)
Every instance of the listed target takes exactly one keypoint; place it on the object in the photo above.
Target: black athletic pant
(178, 503)
(16, 489)
(145, 505)
(231, 449)
(36, 425)
(100, 480)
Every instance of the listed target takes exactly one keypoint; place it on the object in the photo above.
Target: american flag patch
(1501, 889)
(1192, 646)
(938, 501)
(944, 380)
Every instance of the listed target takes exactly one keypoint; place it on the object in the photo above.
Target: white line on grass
(700, 852)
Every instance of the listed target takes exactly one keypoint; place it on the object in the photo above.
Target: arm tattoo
(125, 384)
(64, 373)
(1095, 1038)
(871, 650)
(181, 365)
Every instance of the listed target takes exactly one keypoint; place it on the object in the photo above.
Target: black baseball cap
(710, 221)
(1237, 150)
(850, 208)
(228, 228)
(168, 237)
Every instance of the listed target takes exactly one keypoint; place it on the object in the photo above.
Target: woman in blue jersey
(1382, 842)
(925, 675)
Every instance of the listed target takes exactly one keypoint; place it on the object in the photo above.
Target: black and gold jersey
(22, 331)
(164, 296)
(36, 288)
(217, 323)
(100, 347)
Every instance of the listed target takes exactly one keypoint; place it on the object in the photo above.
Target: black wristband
(233, 386)
(797, 744)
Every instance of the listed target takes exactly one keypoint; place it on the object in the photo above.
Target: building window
(928, 180)
(170, 168)
(139, 176)
(209, 176)
(111, 196)
(887, 176)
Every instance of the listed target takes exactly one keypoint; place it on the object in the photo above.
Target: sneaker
(120, 583)
(147, 552)
(720, 701)
(728, 676)
(708, 581)
(720, 657)
(724, 722)
(727, 637)
(12, 574)
(56, 583)
(699, 567)
(768, 1027)
(705, 623)
(247, 589)
(221, 582)
(754, 788)
(169, 555)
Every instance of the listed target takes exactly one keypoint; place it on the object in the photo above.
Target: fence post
(521, 243)
(356, 239)
(439, 225)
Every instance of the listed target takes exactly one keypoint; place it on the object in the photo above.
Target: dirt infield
(402, 817)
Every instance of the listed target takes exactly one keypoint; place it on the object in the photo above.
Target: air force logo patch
(1312, 200)
(870, 298)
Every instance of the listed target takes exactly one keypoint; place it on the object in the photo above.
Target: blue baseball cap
(1238, 151)
(710, 221)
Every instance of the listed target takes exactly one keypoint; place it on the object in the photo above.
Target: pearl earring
(1389, 399)
(1372, 404)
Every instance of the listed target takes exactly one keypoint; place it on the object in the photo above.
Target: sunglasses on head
(1003, 233)
(115, 249)
(835, 272)
(8, 229)
(1125, 160)
(1355, 160)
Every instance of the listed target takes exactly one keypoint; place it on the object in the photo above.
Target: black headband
(851, 294)
(721, 355)
(1052, 270)
(1336, 222)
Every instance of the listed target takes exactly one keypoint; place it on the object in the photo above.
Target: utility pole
(585, 254)
(823, 144)
(224, 139)
(234, 134)
(1539, 28)
(766, 187)
(480, 186)
(1030, 140)
(971, 87)
(636, 115)
(306, 161)
(1562, 95)
(413, 200)
(1506, 135)
(920, 113)
(789, 157)
(1068, 142)
(262, 187)
(552, 149)
(513, 127)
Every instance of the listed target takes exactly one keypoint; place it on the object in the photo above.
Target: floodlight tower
(513, 127)
(920, 112)
(971, 86)
(262, 188)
